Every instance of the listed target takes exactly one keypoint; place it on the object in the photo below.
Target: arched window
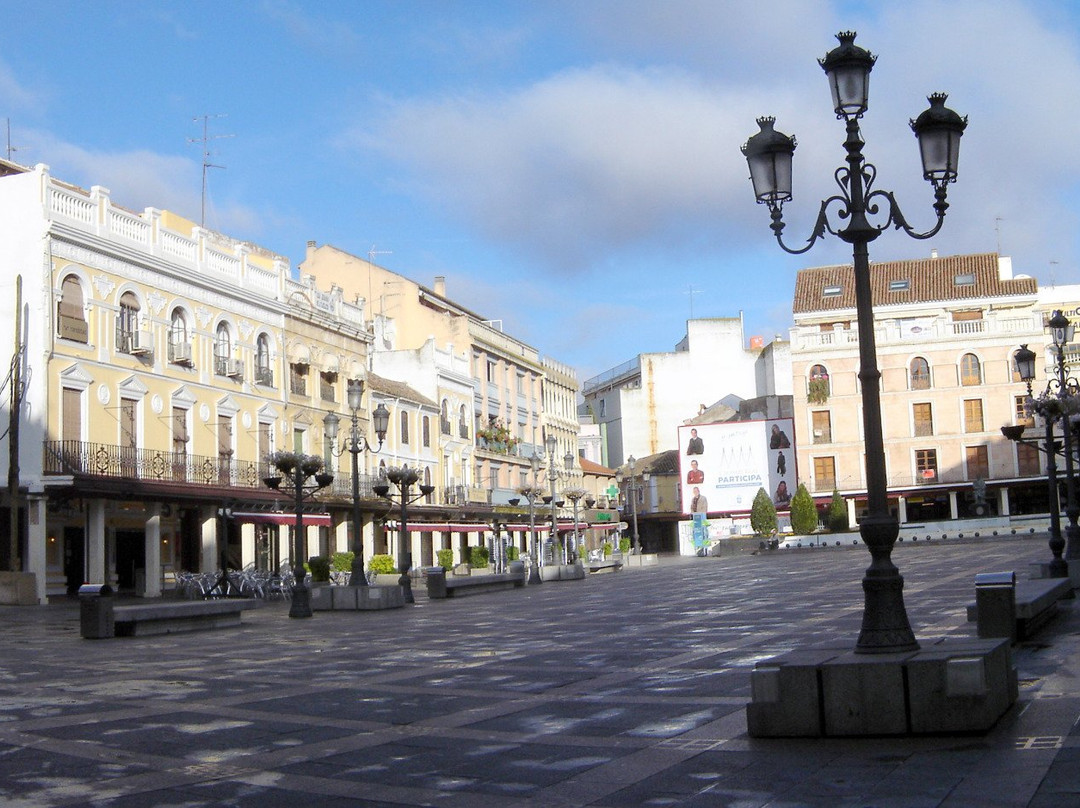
(222, 349)
(179, 344)
(263, 374)
(920, 374)
(428, 498)
(425, 431)
(404, 427)
(817, 388)
(71, 311)
(463, 424)
(970, 370)
(444, 418)
(127, 323)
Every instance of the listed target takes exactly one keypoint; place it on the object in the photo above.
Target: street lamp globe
(355, 394)
(331, 422)
(1025, 363)
(1061, 329)
(769, 154)
(938, 131)
(848, 68)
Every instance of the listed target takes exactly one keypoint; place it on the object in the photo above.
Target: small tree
(446, 558)
(838, 513)
(763, 514)
(804, 516)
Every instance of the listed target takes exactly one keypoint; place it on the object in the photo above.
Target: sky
(571, 167)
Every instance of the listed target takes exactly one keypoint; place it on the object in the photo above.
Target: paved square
(626, 689)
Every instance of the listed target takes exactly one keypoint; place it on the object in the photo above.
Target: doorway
(130, 558)
(74, 558)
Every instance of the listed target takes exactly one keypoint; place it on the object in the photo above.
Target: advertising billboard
(723, 465)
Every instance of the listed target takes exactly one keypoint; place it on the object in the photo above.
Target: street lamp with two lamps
(356, 443)
(403, 479)
(885, 626)
(632, 488)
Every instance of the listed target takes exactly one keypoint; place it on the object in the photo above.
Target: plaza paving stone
(619, 690)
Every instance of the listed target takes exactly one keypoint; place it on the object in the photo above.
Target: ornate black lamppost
(403, 478)
(355, 444)
(575, 495)
(885, 626)
(532, 493)
(302, 472)
(632, 488)
(1053, 405)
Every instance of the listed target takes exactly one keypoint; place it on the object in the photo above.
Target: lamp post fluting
(551, 443)
(305, 477)
(357, 443)
(885, 626)
(403, 479)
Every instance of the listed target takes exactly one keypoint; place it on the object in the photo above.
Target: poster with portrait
(723, 465)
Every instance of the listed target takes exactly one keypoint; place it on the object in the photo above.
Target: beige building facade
(946, 331)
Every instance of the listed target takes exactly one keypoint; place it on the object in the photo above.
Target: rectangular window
(824, 473)
(900, 285)
(1023, 416)
(973, 415)
(822, 426)
(978, 462)
(298, 379)
(179, 430)
(926, 468)
(426, 431)
(404, 427)
(1028, 461)
(71, 427)
(327, 383)
(923, 420)
(965, 279)
(832, 291)
(128, 436)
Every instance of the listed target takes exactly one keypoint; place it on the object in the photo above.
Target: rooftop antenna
(205, 141)
(997, 232)
(1052, 265)
(10, 149)
(690, 290)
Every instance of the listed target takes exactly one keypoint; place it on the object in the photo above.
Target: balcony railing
(121, 462)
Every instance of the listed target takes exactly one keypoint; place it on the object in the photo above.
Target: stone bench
(1033, 603)
(439, 586)
(167, 618)
(604, 566)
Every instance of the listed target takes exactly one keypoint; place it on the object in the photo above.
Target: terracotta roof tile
(929, 280)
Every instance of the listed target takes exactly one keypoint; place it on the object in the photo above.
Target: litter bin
(96, 617)
(436, 582)
(995, 604)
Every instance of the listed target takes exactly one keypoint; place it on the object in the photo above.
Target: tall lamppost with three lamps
(632, 488)
(403, 478)
(532, 493)
(865, 212)
(356, 443)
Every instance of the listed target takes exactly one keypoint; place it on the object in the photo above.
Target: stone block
(864, 694)
(786, 695)
(321, 599)
(343, 597)
(370, 598)
(960, 685)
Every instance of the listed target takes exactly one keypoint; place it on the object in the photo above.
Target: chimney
(440, 285)
(310, 250)
(933, 253)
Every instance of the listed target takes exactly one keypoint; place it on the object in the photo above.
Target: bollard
(436, 582)
(96, 617)
(995, 604)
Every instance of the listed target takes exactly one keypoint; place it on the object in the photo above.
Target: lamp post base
(300, 607)
(405, 582)
(358, 577)
(885, 627)
(534, 574)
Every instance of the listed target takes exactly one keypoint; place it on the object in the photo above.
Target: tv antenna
(206, 164)
(373, 252)
(10, 149)
(690, 290)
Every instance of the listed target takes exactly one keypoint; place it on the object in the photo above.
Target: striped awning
(278, 518)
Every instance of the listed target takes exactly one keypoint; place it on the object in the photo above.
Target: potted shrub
(838, 513)
(382, 564)
(512, 553)
(804, 516)
(624, 544)
(445, 558)
(319, 567)
(763, 514)
(478, 557)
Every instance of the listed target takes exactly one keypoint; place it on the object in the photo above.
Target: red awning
(310, 519)
(433, 527)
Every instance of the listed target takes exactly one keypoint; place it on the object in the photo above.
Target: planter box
(18, 589)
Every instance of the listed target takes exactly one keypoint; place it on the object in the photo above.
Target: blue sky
(572, 168)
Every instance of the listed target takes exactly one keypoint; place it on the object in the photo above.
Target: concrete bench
(604, 566)
(166, 618)
(1033, 603)
(439, 586)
